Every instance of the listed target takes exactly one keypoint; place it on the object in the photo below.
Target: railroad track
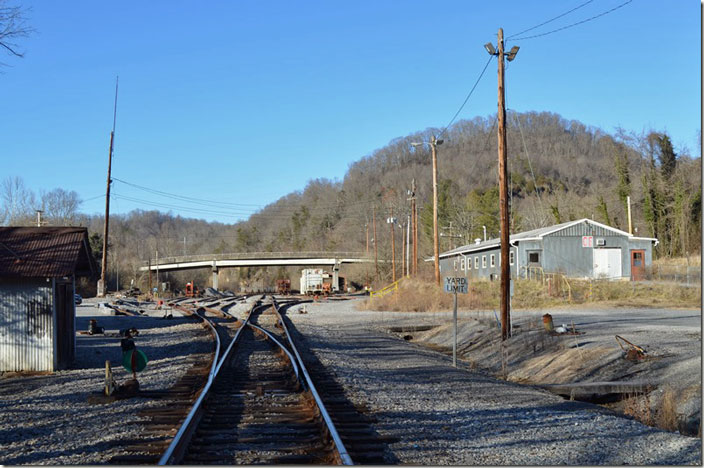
(258, 406)
(255, 409)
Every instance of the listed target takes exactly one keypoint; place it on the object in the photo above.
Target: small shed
(38, 268)
(577, 249)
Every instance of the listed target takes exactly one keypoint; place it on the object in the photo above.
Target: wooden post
(436, 246)
(503, 199)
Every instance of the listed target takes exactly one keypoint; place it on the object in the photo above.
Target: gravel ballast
(442, 415)
(436, 414)
(48, 419)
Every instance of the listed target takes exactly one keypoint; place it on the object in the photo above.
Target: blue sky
(245, 101)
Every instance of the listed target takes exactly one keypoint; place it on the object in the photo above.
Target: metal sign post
(454, 285)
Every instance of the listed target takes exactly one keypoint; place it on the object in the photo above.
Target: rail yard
(298, 381)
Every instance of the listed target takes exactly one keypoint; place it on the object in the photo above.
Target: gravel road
(447, 416)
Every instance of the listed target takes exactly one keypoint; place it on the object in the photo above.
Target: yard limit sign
(455, 285)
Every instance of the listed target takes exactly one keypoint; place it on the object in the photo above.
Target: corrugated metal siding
(583, 229)
(26, 325)
(463, 265)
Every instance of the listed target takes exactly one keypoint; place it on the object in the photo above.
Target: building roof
(45, 252)
(534, 234)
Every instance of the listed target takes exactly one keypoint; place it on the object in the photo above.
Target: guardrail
(251, 255)
(385, 290)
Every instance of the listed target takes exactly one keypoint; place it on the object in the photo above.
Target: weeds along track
(255, 408)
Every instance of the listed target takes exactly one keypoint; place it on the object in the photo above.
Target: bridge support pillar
(336, 277)
(215, 276)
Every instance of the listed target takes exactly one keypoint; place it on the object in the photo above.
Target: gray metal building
(38, 267)
(577, 249)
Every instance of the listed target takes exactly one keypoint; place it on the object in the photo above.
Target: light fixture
(439, 142)
(490, 48)
(512, 53)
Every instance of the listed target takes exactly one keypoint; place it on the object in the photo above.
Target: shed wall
(26, 325)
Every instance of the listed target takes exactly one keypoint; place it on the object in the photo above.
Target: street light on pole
(434, 142)
(503, 183)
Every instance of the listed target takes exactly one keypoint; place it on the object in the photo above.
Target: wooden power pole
(503, 199)
(393, 247)
(376, 243)
(414, 228)
(102, 285)
(436, 243)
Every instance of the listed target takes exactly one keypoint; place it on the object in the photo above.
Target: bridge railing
(252, 255)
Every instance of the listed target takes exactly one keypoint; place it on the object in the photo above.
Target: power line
(229, 205)
(467, 98)
(550, 20)
(575, 24)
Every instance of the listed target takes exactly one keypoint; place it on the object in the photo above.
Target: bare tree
(13, 26)
(60, 206)
(16, 202)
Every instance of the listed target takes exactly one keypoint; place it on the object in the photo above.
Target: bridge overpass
(257, 259)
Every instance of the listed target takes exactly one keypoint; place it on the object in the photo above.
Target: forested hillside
(560, 170)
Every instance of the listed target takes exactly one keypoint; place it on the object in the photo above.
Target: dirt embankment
(662, 389)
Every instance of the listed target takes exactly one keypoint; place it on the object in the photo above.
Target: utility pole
(376, 243)
(630, 222)
(414, 227)
(436, 246)
(408, 246)
(503, 186)
(366, 227)
(403, 251)
(102, 286)
(391, 221)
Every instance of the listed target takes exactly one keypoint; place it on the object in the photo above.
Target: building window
(476, 263)
(534, 257)
(492, 260)
(510, 258)
(483, 261)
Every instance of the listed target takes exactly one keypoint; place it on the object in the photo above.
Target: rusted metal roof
(45, 251)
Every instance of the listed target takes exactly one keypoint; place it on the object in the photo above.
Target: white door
(607, 263)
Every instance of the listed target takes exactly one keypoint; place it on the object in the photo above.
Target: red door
(637, 265)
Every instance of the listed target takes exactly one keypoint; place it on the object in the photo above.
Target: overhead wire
(574, 24)
(471, 91)
(230, 205)
(550, 20)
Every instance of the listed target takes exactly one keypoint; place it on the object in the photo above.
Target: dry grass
(638, 406)
(423, 295)
(667, 412)
(692, 260)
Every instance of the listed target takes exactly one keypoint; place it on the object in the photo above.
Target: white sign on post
(456, 285)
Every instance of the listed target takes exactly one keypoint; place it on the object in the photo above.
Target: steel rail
(185, 426)
(283, 348)
(344, 456)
